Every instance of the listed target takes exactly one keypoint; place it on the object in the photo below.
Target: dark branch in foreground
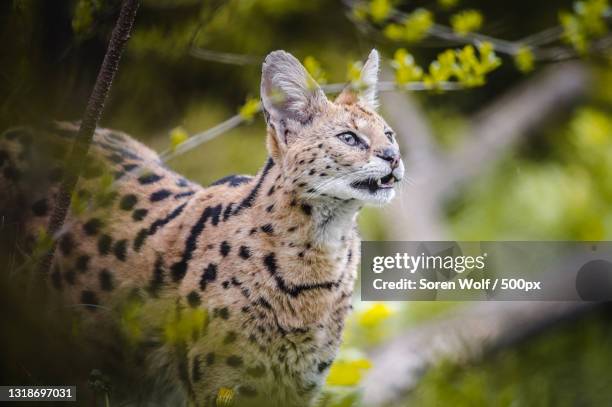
(77, 156)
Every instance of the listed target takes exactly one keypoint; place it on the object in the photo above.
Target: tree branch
(502, 125)
(77, 156)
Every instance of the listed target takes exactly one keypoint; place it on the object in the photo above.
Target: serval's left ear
(366, 90)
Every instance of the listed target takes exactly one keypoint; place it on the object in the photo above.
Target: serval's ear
(288, 93)
(366, 90)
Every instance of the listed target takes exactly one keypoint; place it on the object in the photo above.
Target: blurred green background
(555, 185)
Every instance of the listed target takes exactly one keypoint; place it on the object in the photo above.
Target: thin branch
(473, 332)
(236, 120)
(534, 41)
(77, 156)
(224, 57)
(200, 138)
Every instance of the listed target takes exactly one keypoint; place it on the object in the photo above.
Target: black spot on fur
(129, 167)
(196, 372)
(70, 276)
(307, 209)
(249, 200)
(247, 391)
(160, 195)
(230, 338)
(193, 299)
(115, 158)
(232, 180)
(228, 211)
(291, 289)
(322, 366)
(234, 361)
(155, 226)
(225, 248)
(66, 244)
(244, 252)
(120, 249)
(139, 214)
(222, 312)
(256, 371)
(89, 299)
(211, 213)
(140, 238)
(40, 207)
(82, 262)
(209, 275)
(106, 280)
(92, 226)
(104, 244)
(183, 194)
(149, 178)
(157, 280)
(270, 208)
(210, 359)
(267, 228)
(128, 202)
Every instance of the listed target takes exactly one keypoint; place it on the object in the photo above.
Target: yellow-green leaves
(587, 22)
(314, 69)
(348, 368)
(380, 10)
(376, 314)
(78, 202)
(464, 65)
(466, 22)
(131, 320)
(178, 135)
(249, 109)
(186, 325)
(524, 59)
(448, 4)
(413, 28)
(471, 70)
(468, 66)
(225, 397)
(406, 70)
(43, 243)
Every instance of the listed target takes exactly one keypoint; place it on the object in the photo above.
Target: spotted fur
(271, 258)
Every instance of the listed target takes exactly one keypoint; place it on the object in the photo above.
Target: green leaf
(524, 59)
(380, 10)
(314, 69)
(414, 27)
(178, 135)
(250, 108)
(466, 22)
(406, 69)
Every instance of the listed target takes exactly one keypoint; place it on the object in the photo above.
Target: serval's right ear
(288, 93)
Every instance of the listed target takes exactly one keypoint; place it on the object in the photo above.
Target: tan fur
(272, 260)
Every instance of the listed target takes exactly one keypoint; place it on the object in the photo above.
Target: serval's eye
(349, 138)
(389, 135)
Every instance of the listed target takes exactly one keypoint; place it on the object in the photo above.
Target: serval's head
(339, 149)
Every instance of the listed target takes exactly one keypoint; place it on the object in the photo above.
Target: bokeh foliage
(556, 185)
